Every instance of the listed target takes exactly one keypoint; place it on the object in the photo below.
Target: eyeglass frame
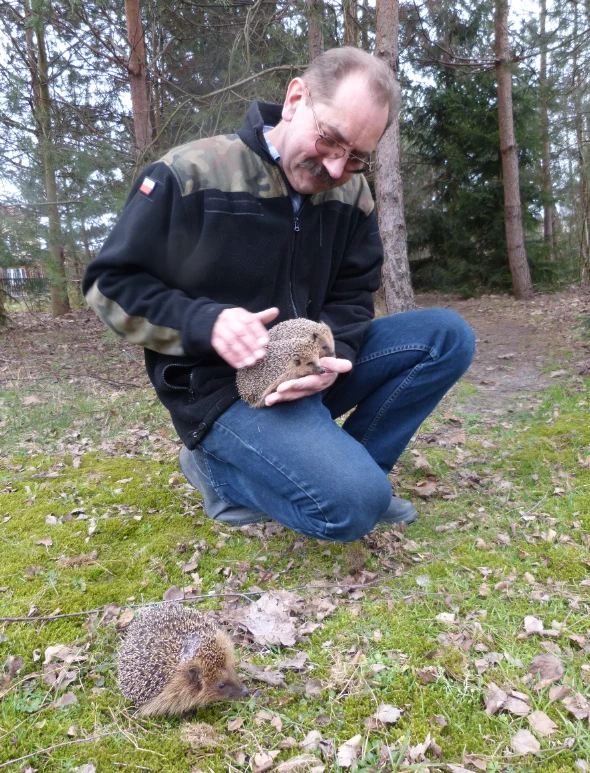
(367, 165)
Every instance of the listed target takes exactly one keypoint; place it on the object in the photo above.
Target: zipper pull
(297, 224)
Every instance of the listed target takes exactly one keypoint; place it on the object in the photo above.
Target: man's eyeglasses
(328, 147)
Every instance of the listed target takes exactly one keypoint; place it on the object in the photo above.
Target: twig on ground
(57, 746)
(246, 595)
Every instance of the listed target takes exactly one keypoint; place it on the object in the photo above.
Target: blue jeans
(295, 463)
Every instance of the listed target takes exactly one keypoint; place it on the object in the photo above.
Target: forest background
(92, 92)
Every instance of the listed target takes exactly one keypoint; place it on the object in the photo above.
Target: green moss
(145, 524)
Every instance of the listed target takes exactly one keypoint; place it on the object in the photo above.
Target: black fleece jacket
(214, 228)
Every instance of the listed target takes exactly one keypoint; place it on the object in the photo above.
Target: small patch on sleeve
(147, 186)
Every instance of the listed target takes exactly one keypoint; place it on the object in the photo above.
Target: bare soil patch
(36, 350)
(522, 347)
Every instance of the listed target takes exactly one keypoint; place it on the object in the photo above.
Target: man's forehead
(335, 122)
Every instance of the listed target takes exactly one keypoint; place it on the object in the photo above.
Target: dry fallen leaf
(524, 742)
(125, 618)
(425, 488)
(269, 619)
(420, 462)
(349, 751)
(235, 724)
(264, 761)
(548, 667)
(313, 688)
(578, 706)
(558, 692)
(516, 706)
(532, 625)
(173, 594)
(495, 699)
(272, 678)
(296, 663)
(311, 741)
(540, 722)
(428, 674)
(387, 714)
(477, 762)
(67, 699)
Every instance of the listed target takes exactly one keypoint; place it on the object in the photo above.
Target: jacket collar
(259, 115)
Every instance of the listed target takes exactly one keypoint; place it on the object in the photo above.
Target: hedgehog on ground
(294, 350)
(174, 659)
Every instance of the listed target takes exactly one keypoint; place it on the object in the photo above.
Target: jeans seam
(408, 380)
(396, 349)
(268, 461)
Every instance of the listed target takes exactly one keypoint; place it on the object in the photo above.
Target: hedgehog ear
(194, 675)
(315, 336)
(297, 361)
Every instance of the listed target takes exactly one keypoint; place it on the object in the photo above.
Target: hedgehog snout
(318, 370)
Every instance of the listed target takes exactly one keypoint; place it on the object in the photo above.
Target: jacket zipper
(296, 227)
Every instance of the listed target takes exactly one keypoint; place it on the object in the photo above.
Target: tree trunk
(519, 267)
(138, 76)
(60, 303)
(397, 283)
(350, 13)
(365, 41)
(3, 315)
(584, 217)
(315, 33)
(546, 152)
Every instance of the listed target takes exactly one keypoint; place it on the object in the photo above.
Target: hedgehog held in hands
(294, 350)
(174, 659)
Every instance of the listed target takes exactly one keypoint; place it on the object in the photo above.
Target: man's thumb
(267, 315)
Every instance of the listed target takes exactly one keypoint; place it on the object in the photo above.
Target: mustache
(317, 170)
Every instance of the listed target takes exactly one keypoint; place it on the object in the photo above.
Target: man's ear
(295, 93)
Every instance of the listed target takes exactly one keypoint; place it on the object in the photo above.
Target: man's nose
(335, 166)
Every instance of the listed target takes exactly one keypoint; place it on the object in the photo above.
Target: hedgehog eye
(310, 364)
(221, 685)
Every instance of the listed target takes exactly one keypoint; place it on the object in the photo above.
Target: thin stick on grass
(57, 746)
(98, 610)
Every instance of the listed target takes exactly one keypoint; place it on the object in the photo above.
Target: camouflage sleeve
(132, 283)
(348, 309)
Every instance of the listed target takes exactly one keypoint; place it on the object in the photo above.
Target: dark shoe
(192, 464)
(399, 511)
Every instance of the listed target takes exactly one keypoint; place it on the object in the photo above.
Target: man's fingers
(240, 337)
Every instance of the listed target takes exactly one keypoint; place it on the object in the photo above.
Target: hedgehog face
(212, 686)
(305, 365)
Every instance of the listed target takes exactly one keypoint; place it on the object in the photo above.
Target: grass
(505, 536)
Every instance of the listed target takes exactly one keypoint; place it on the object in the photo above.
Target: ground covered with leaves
(459, 644)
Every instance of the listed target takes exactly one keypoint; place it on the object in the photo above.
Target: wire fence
(18, 287)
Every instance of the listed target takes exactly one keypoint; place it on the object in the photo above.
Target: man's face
(351, 117)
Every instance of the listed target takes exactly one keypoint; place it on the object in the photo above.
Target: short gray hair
(328, 70)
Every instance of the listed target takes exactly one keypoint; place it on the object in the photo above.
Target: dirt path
(519, 345)
(522, 346)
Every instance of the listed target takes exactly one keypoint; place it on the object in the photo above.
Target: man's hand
(240, 337)
(310, 385)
